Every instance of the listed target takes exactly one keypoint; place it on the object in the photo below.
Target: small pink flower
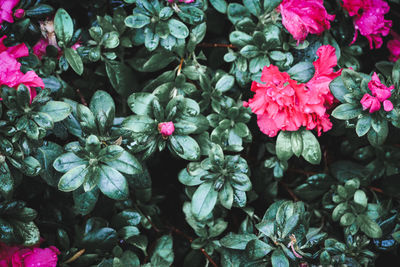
(394, 47)
(301, 17)
(369, 19)
(19, 13)
(387, 105)
(39, 49)
(370, 102)
(76, 45)
(6, 7)
(166, 128)
(378, 89)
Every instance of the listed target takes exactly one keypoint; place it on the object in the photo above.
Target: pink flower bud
(387, 105)
(166, 128)
(19, 13)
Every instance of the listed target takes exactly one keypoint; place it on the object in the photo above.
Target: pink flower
(394, 47)
(10, 69)
(19, 13)
(380, 94)
(369, 19)
(18, 256)
(301, 17)
(280, 103)
(166, 128)
(6, 7)
(39, 49)
(371, 103)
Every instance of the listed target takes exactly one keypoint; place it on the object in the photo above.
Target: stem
(295, 198)
(76, 256)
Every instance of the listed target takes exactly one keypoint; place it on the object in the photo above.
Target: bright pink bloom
(380, 93)
(166, 128)
(394, 47)
(10, 69)
(369, 19)
(19, 13)
(39, 49)
(18, 256)
(301, 17)
(280, 103)
(6, 7)
(76, 45)
(370, 102)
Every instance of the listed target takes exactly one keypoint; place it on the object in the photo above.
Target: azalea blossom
(6, 10)
(19, 256)
(369, 19)
(166, 128)
(282, 103)
(394, 47)
(380, 94)
(301, 17)
(10, 69)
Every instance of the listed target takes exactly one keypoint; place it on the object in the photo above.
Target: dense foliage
(199, 133)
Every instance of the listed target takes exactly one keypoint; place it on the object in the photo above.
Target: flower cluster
(380, 94)
(369, 19)
(10, 69)
(301, 17)
(6, 10)
(18, 256)
(283, 104)
(394, 47)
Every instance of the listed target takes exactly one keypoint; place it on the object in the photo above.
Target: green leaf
(237, 241)
(126, 218)
(283, 146)
(110, 40)
(257, 249)
(63, 27)
(103, 108)
(360, 198)
(377, 139)
(302, 72)
(270, 5)
(237, 12)
(296, 142)
(338, 89)
(290, 224)
(84, 202)
(178, 29)
(46, 155)
(6, 181)
(28, 232)
(311, 149)
(74, 60)
(137, 21)
(225, 196)
(151, 62)
(225, 83)
(346, 111)
(141, 103)
(68, 161)
(126, 163)
(253, 6)
(368, 226)
(73, 179)
(396, 74)
(219, 5)
(185, 147)
(163, 254)
(363, 125)
(112, 183)
(278, 259)
(204, 200)
(102, 239)
(347, 219)
(43, 120)
(57, 110)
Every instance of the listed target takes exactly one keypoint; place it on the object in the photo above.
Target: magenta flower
(18, 256)
(166, 128)
(10, 69)
(282, 103)
(6, 7)
(380, 94)
(394, 47)
(369, 19)
(19, 13)
(301, 17)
